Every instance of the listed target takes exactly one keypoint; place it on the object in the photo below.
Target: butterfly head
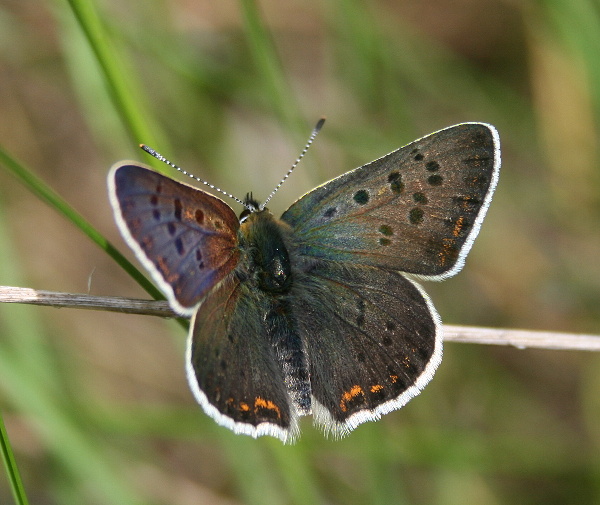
(251, 205)
(264, 241)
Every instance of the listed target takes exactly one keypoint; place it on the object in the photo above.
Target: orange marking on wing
(161, 264)
(350, 395)
(266, 404)
(458, 226)
(447, 250)
(376, 388)
(134, 225)
(189, 214)
(147, 242)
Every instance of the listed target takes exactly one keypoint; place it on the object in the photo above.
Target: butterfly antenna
(314, 133)
(160, 157)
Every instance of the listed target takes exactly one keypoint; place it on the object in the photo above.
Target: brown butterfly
(316, 312)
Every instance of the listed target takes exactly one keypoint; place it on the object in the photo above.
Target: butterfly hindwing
(415, 210)
(185, 237)
(234, 361)
(373, 341)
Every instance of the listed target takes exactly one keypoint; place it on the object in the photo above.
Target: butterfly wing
(415, 210)
(186, 238)
(373, 339)
(234, 363)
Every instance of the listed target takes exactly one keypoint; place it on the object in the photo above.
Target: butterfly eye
(244, 214)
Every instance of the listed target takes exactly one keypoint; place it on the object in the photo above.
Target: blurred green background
(96, 404)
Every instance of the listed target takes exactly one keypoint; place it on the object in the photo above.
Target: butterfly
(317, 312)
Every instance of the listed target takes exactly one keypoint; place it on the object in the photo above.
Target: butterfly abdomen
(263, 245)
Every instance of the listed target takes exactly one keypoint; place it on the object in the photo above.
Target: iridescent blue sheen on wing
(415, 210)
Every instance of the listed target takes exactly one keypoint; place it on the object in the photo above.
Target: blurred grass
(12, 470)
(96, 406)
(45, 193)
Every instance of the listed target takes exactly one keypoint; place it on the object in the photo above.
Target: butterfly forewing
(415, 210)
(185, 237)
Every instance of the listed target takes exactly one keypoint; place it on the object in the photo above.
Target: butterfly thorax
(261, 240)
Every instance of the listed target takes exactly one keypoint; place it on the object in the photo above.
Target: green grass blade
(8, 458)
(123, 89)
(268, 65)
(298, 477)
(44, 192)
(35, 379)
